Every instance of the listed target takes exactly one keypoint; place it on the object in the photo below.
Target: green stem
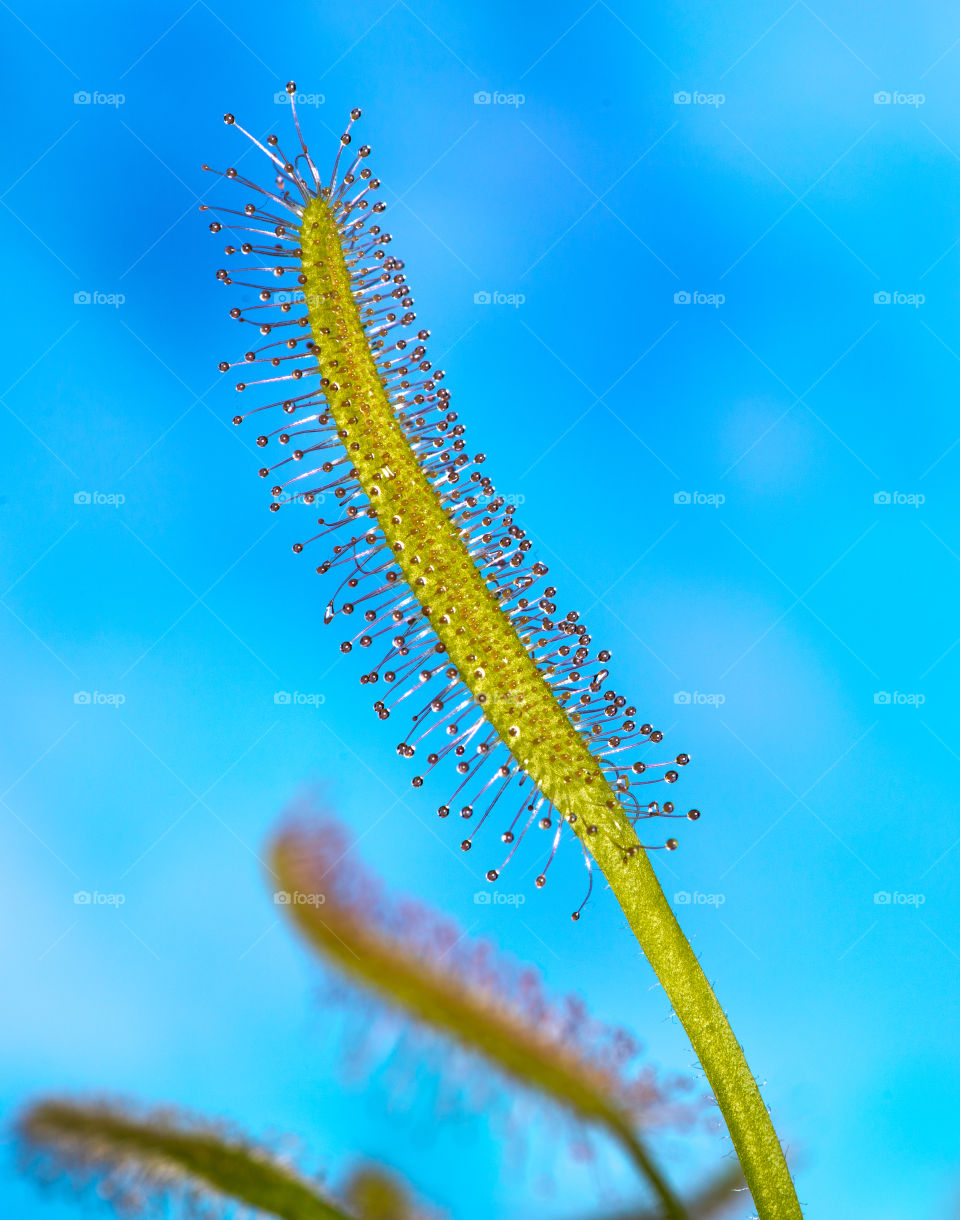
(673, 1209)
(668, 951)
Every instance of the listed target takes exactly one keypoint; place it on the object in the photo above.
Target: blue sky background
(762, 630)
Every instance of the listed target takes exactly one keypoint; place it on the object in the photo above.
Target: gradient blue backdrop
(783, 612)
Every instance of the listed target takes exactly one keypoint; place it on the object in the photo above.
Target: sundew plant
(399, 964)
(484, 680)
(431, 563)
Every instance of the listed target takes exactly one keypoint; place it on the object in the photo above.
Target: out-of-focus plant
(424, 965)
(436, 979)
(140, 1161)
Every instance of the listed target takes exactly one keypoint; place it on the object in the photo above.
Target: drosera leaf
(428, 968)
(430, 555)
(424, 555)
(142, 1160)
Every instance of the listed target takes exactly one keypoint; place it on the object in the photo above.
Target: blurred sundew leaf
(424, 965)
(147, 1160)
(374, 1194)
